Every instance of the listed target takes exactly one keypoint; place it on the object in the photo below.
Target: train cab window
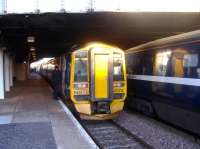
(161, 62)
(118, 72)
(81, 67)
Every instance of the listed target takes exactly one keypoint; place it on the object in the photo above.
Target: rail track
(109, 135)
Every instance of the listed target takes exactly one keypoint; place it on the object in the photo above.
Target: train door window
(81, 67)
(118, 67)
(161, 62)
(198, 72)
(178, 69)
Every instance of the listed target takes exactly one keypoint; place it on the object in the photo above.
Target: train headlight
(84, 85)
(118, 84)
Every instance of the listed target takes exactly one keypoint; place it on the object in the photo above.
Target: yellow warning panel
(101, 75)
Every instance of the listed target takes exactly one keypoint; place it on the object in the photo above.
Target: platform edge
(80, 128)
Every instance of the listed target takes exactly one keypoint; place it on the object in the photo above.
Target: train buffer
(30, 118)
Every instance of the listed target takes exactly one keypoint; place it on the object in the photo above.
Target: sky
(22, 6)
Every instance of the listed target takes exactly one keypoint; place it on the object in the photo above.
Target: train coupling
(101, 107)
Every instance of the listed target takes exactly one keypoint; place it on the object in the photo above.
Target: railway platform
(31, 119)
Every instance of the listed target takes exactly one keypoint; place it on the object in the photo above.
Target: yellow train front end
(98, 84)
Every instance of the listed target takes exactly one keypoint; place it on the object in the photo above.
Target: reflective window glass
(81, 68)
(161, 62)
(118, 67)
(190, 60)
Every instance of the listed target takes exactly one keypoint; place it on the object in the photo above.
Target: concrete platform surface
(37, 135)
(31, 102)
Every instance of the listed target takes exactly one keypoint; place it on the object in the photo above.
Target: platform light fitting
(32, 49)
(30, 39)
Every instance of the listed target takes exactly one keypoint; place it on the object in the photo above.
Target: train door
(178, 72)
(178, 69)
(101, 75)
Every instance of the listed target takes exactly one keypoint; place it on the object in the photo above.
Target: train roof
(93, 44)
(172, 40)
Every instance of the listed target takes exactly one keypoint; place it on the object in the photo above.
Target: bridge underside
(56, 32)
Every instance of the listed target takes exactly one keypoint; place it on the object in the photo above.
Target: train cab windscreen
(81, 69)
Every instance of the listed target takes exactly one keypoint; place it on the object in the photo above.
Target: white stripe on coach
(174, 80)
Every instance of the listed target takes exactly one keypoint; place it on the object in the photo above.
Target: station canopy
(43, 28)
(31, 6)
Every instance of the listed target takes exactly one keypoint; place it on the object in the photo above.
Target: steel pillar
(11, 71)
(2, 95)
(7, 72)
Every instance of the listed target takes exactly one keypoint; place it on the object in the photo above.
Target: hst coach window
(190, 64)
(81, 62)
(161, 63)
(118, 67)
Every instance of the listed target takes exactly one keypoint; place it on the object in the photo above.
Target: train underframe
(99, 110)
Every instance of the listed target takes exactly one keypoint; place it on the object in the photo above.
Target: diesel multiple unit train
(164, 79)
(94, 78)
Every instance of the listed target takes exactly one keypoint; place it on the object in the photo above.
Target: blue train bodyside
(164, 78)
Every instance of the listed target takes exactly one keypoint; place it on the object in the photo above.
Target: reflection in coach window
(161, 62)
(190, 63)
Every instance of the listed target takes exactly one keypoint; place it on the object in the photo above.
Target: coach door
(101, 80)
(178, 70)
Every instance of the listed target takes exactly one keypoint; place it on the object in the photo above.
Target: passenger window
(161, 62)
(198, 72)
(190, 60)
(135, 65)
(129, 63)
(190, 63)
